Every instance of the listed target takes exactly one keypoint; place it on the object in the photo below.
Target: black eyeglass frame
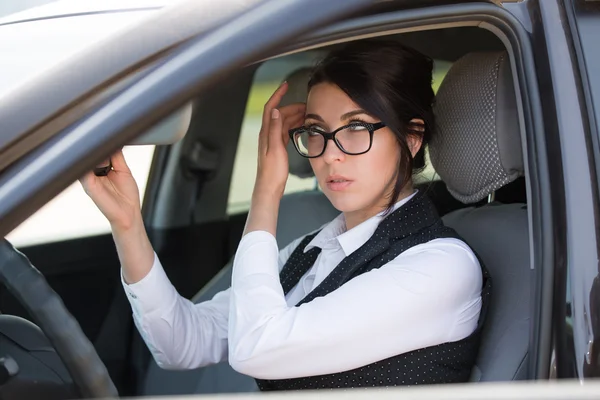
(331, 136)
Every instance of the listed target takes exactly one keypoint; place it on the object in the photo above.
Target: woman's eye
(357, 127)
(316, 129)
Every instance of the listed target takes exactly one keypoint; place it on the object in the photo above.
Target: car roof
(104, 63)
(101, 64)
(65, 8)
(44, 40)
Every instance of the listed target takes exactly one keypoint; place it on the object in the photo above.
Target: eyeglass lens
(352, 140)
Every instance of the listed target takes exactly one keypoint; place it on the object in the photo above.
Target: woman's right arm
(117, 196)
(180, 334)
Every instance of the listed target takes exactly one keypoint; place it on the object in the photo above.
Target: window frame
(581, 349)
(194, 77)
(51, 224)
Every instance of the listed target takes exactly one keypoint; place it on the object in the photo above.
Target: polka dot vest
(414, 223)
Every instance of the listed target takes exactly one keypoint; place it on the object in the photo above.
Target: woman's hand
(273, 165)
(273, 138)
(116, 194)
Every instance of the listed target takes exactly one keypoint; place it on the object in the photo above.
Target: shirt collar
(352, 239)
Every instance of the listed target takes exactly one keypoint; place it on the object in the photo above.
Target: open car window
(36, 45)
(72, 214)
(266, 79)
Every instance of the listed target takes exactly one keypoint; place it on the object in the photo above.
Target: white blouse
(428, 295)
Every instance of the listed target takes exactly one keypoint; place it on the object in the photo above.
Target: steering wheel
(31, 289)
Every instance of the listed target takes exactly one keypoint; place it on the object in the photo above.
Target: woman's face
(355, 184)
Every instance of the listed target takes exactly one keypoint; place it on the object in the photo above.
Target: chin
(344, 202)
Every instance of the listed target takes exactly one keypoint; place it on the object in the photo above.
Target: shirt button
(133, 296)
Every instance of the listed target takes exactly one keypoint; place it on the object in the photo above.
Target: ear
(414, 140)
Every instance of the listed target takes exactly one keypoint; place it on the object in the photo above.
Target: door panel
(85, 274)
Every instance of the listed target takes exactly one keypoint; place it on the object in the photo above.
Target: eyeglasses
(353, 139)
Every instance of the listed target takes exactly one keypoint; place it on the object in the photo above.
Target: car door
(69, 241)
(73, 247)
(578, 306)
(150, 97)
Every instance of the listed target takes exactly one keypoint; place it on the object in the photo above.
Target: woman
(382, 295)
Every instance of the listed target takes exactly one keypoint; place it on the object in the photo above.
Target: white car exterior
(43, 37)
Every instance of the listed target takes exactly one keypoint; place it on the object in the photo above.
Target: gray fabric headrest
(477, 147)
(297, 93)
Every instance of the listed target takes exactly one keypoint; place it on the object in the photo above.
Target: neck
(355, 218)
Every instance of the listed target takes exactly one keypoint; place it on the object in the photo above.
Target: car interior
(476, 179)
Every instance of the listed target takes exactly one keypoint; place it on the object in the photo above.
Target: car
(516, 172)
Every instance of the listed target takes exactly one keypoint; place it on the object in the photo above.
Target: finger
(285, 136)
(263, 136)
(275, 129)
(274, 101)
(103, 169)
(87, 180)
(118, 162)
(293, 113)
(292, 122)
(104, 163)
(276, 97)
(289, 124)
(293, 109)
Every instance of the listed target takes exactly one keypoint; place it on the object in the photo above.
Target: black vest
(414, 223)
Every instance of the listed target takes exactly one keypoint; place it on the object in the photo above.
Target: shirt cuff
(152, 293)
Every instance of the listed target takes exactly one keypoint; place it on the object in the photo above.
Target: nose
(333, 153)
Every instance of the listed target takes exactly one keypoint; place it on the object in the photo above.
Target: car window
(72, 214)
(37, 45)
(440, 69)
(267, 78)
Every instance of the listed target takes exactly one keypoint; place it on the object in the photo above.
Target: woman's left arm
(273, 169)
(428, 295)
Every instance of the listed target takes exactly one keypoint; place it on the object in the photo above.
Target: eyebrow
(345, 116)
(314, 116)
(351, 114)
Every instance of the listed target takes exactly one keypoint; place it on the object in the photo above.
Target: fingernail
(275, 113)
(106, 163)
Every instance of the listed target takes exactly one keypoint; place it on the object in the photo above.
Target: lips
(337, 182)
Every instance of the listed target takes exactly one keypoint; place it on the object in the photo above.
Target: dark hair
(392, 82)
